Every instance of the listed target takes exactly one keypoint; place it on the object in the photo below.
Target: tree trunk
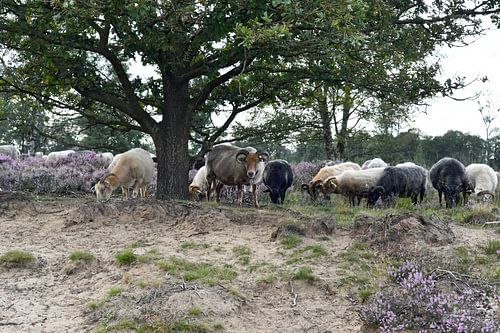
(343, 133)
(171, 141)
(326, 129)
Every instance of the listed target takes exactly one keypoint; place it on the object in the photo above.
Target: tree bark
(171, 139)
(326, 129)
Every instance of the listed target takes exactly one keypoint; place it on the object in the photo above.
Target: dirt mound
(402, 232)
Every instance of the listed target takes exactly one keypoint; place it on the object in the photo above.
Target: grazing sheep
(107, 158)
(354, 183)
(402, 181)
(278, 177)
(55, 155)
(448, 176)
(483, 180)
(316, 185)
(199, 185)
(231, 165)
(375, 163)
(133, 169)
(11, 151)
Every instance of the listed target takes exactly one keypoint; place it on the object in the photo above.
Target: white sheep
(39, 154)
(55, 155)
(107, 158)
(406, 164)
(354, 183)
(482, 179)
(316, 184)
(114, 161)
(199, 184)
(11, 151)
(375, 163)
(134, 169)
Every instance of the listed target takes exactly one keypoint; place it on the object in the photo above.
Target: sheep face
(452, 195)
(251, 161)
(313, 189)
(103, 190)
(373, 194)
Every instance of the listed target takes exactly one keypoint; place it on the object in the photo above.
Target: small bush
(194, 245)
(125, 257)
(412, 301)
(16, 258)
(492, 247)
(81, 256)
(115, 291)
(291, 241)
(304, 273)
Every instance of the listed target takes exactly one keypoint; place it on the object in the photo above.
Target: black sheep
(399, 181)
(278, 177)
(448, 177)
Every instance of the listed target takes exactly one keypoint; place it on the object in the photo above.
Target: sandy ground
(45, 298)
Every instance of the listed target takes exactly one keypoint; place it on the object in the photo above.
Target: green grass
(193, 245)
(115, 291)
(81, 256)
(194, 311)
(492, 247)
(291, 241)
(125, 257)
(307, 253)
(305, 273)
(16, 258)
(243, 253)
(149, 256)
(189, 271)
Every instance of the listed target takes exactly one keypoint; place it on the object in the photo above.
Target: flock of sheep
(230, 165)
(374, 180)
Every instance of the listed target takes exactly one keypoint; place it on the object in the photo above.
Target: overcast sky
(481, 58)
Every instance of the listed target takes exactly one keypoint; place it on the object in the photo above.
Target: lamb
(402, 181)
(354, 183)
(55, 155)
(375, 163)
(133, 169)
(448, 176)
(483, 180)
(11, 151)
(278, 177)
(316, 185)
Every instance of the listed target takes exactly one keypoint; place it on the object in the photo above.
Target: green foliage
(115, 291)
(125, 257)
(243, 253)
(16, 258)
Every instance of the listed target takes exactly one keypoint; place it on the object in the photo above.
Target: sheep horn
(241, 153)
(484, 192)
(263, 156)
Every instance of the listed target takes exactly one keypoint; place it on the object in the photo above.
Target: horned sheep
(483, 180)
(133, 169)
(316, 185)
(448, 177)
(404, 180)
(232, 165)
(354, 183)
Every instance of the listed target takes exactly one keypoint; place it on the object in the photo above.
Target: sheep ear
(263, 156)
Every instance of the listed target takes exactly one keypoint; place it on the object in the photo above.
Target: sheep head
(103, 189)
(373, 194)
(251, 160)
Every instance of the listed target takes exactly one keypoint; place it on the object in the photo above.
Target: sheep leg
(254, 196)
(283, 193)
(125, 192)
(439, 195)
(218, 191)
(240, 195)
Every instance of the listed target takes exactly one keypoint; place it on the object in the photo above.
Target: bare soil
(50, 295)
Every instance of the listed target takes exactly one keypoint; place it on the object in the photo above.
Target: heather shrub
(413, 300)
(303, 172)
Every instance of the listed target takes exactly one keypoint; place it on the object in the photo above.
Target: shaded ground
(53, 295)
